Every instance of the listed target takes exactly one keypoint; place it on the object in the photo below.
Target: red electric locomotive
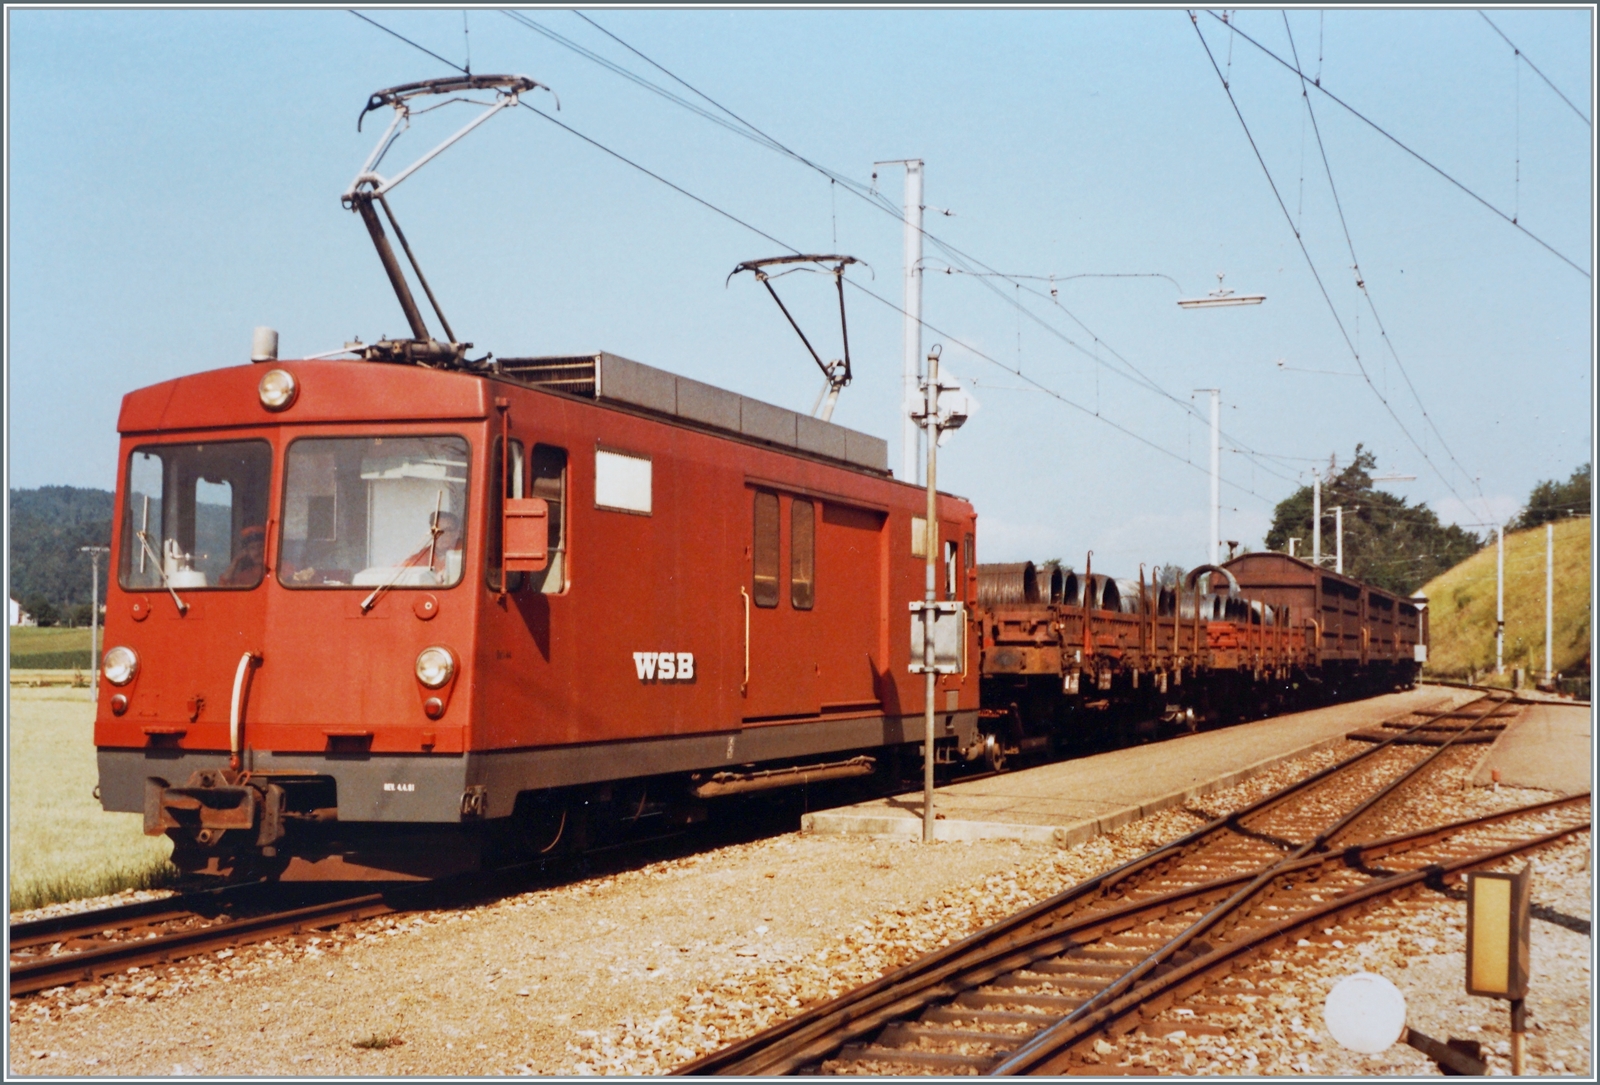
(333, 646)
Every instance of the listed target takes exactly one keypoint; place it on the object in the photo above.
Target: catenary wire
(1061, 278)
(733, 218)
(764, 139)
(1052, 393)
(730, 216)
(1361, 281)
(762, 233)
(746, 129)
(1535, 67)
(638, 80)
(885, 301)
(409, 42)
(884, 205)
(1385, 134)
(882, 300)
(1332, 309)
(852, 186)
(1138, 377)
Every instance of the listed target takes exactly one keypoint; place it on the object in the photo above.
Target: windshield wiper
(433, 541)
(144, 541)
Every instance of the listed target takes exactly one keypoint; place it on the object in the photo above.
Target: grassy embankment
(1461, 606)
(62, 845)
(33, 648)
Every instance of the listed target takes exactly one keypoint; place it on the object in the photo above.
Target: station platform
(1549, 746)
(1072, 801)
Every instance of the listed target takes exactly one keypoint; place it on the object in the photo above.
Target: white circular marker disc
(1365, 1013)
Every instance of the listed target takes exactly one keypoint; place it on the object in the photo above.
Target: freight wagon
(1065, 656)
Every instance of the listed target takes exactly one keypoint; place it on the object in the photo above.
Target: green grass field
(1461, 605)
(34, 648)
(62, 846)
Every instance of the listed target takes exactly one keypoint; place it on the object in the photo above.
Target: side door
(847, 633)
(780, 613)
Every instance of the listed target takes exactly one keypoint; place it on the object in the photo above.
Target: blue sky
(173, 181)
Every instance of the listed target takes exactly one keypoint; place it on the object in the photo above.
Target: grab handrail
(236, 712)
(745, 685)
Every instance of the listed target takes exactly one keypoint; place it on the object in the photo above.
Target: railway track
(81, 947)
(1574, 702)
(84, 946)
(1043, 991)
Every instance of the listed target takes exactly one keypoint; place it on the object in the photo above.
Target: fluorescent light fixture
(1221, 296)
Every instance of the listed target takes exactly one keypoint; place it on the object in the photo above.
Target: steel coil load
(1052, 580)
(1008, 584)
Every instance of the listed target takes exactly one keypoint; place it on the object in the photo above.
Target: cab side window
(505, 480)
(802, 554)
(547, 478)
(764, 551)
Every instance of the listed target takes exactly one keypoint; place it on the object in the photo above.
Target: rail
(1067, 968)
(37, 972)
(1453, 684)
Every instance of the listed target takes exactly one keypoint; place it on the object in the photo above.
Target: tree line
(1554, 500)
(1396, 545)
(50, 577)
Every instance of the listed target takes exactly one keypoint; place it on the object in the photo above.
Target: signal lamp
(120, 665)
(278, 389)
(435, 666)
(1497, 933)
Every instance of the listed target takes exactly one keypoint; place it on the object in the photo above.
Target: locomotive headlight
(277, 389)
(435, 666)
(120, 665)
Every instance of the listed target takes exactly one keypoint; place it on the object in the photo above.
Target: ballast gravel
(639, 971)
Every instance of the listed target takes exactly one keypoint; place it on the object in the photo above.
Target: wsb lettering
(664, 666)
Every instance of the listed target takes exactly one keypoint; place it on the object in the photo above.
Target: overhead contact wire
(1299, 240)
(1141, 381)
(762, 233)
(975, 352)
(764, 139)
(408, 41)
(1361, 279)
(1392, 139)
(730, 216)
(1524, 57)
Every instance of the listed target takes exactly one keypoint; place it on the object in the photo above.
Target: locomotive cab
(288, 622)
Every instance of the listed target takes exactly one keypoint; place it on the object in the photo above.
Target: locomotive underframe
(357, 816)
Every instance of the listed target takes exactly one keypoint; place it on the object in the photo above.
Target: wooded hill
(1387, 541)
(47, 527)
(1461, 605)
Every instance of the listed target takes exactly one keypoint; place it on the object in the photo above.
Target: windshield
(373, 511)
(196, 512)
